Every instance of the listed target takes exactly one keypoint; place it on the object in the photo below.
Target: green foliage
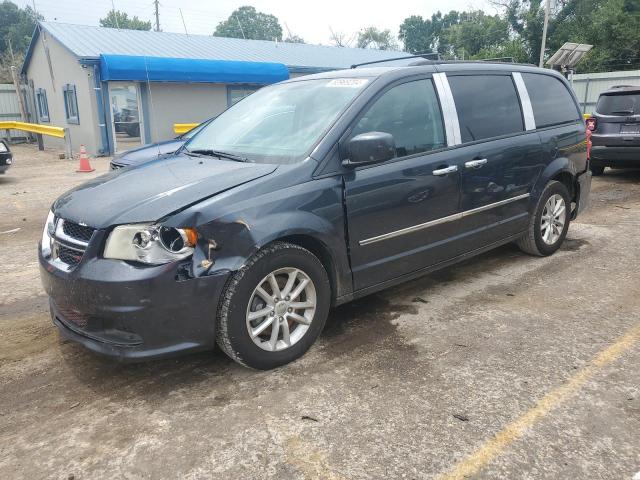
(294, 39)
(118, 19)
(247, 22)
(612, 26)
(16, 27)
(475, 32)
(371, 37)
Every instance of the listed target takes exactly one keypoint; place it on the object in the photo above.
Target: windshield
(194, 130)
(278, 124)
(628, 104)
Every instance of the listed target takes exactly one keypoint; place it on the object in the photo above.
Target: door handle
(444, 171)
(475, 163)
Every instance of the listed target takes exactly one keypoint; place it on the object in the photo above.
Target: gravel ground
(505, 366)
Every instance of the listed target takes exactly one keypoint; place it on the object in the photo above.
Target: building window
(71, 103)
(237, 93)
(43, 106)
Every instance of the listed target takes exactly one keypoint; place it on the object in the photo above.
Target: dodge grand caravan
(308, 194)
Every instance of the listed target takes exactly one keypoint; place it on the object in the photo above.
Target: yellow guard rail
(180, 128)
(40, 130)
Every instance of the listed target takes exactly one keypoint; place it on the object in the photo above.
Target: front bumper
(132, 313)
(602, 156)
(5, 163)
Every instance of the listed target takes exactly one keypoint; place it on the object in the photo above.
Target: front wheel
(596, 171)
(274, 307)
(549, 224)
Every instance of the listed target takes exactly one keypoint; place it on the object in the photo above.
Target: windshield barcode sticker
(347, 82)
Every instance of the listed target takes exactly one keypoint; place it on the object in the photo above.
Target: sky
(312, 21)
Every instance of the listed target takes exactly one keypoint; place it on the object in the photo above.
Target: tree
(475, 32)
(371, 37)
(425, 35)
(339, 39)
(16, 27)
(118, 19)
(611, 26)
(294, 39)
(247, 22)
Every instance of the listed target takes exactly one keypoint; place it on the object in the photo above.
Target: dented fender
(233, 226)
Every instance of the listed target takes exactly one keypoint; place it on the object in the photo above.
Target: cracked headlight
(150, 243)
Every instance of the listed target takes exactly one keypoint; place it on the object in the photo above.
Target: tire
(282, 260)
(596, 171)
(534, 242)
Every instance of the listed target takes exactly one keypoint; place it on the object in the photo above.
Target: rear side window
(410, 112)
(628, 104)
(487, 106)
(551, 101)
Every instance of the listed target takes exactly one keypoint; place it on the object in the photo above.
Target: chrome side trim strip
(525, 101)
(439, 221)
(449, 112)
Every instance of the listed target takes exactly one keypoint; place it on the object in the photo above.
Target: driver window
(410, 112)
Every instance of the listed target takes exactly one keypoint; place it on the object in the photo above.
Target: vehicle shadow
(362, 323)
(620, 175)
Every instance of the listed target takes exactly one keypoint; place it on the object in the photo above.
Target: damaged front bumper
(132, 312)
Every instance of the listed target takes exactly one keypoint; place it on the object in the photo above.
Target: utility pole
(156, 4)
(547, 7)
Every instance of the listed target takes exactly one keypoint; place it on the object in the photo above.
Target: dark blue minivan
(308, 194)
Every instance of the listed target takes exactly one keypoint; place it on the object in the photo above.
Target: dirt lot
(506, 366)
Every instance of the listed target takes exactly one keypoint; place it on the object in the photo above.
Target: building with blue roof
(119, 89)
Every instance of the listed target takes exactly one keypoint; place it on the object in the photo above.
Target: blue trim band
(189, 70)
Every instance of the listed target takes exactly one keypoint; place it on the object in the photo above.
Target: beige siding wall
(66, 69)
(171, 103)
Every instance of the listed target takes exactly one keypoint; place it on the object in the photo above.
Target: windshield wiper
(628, 112)
(219, 154)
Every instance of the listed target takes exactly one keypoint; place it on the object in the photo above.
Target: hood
(148, 152)
(153, 190)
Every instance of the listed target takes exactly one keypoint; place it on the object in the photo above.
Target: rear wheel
(597, 171)
(274, 307)
(549, 224)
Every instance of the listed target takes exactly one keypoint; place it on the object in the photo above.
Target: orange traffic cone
(85, 166)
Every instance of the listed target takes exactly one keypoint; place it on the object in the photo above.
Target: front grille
(77, 231)
(69, 256)
(70, 241)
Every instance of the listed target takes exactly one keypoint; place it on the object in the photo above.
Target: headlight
(149, 243)
(47, 234)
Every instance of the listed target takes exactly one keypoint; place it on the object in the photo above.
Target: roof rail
(422, 55)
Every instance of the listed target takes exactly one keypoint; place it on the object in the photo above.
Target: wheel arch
(321, 251)
(559, 170)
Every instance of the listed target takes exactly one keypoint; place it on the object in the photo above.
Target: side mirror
(371, 147)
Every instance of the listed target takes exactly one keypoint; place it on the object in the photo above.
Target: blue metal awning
(189, 70)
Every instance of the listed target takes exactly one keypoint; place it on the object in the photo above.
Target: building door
(126, 116)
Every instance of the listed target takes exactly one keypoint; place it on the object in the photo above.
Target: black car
(615, 129)
(308, 194)
(154, 150)
(6, 157)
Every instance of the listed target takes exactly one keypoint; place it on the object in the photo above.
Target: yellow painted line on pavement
(496, 445)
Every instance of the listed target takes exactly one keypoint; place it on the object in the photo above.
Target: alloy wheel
(281, 308)
(553, 219)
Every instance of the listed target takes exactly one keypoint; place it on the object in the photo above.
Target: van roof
(621, 90)
(400, 71)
